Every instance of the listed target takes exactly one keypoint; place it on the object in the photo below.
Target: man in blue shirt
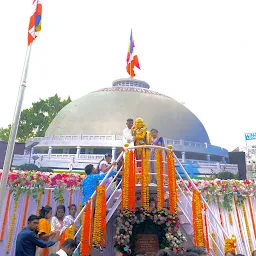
(90, 183)
(27, 240)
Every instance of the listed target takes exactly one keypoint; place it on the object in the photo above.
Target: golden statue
(140, 134)
(141, 137)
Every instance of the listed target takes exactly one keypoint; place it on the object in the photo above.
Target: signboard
(250, 136)
(147, 243)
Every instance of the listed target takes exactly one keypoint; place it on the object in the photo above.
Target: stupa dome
(104, 112)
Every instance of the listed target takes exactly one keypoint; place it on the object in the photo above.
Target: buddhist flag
(131, 59)
(35, 21)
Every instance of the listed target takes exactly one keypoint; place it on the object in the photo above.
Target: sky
(202, 53)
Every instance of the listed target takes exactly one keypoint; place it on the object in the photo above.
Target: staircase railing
(186, 214)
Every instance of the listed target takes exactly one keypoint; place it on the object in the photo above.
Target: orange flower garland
(252, 215)
(86, 234)
(238, 219)
(132, 183)
(197, 219)
(221, 219)
(160, 179)
(5, 215)
(99, 230)
(214, 246)
(125, 182)
(25, 212)
(172, 186)
(70, 196)
(49, 197)
(145, 179)
(247, 227)
(12, 227)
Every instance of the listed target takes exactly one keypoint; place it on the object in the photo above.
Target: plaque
(147, 243)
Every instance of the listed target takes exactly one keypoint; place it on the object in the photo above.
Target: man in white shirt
(127, 133)
(68, 248)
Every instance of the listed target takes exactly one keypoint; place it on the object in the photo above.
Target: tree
(35, 120)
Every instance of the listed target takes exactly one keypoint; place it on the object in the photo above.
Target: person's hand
(56, 237)
(52, 234)
(114, 163)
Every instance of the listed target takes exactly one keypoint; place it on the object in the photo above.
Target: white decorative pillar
(183, 157)
(208, 157)
(114, 152)
(49, 151)
(78, 151)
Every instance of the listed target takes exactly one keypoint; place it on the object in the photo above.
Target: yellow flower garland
(159, 178)
(145, 179)
(230, 244)
(99, 227)
(230, 219)
(247, 227)
(125, 182)
(39, 200)
(16, 202)
(197, 219)
(214, 246)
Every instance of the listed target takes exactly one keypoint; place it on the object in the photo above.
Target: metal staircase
(184, 204)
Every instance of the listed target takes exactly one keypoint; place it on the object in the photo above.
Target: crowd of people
(48, 235)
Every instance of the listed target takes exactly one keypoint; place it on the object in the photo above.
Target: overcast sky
(202, 53)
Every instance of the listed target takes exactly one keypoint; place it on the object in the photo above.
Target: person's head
(89, 169)
(108, 158)
(165, 252)
(230, 253)
(72, 209)
(254, 253)
(69, 246)
(198, 250)
(60, 212)
(46, 212)
(240, 254)
(129, 123)
(154, 133)
(33, 222)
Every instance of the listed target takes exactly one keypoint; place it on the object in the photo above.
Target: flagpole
(14, 128)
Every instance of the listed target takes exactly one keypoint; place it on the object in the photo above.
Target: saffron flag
(131, 59)
(35, 21)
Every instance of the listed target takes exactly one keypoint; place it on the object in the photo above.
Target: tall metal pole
(14, 128)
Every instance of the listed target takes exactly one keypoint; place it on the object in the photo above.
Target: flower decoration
(127, 221)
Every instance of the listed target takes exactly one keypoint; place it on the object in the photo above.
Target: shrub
(226, 175)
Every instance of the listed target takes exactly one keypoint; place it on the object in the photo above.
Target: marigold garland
(49, 197)
(247, 227)
(39, 201)
(172, 186)
(214, 246)
(125, 182)
(132, 183)
(25, 212)
(7, 205)
(197, 219)
(221, 219)
(145, 179)
(230, 218)
(16, 202)
(160, 179)
(86, 234)
(252, 215)
(238, 219)
(99, 227)
(70, 196)
(206, 230)
(230, 244)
